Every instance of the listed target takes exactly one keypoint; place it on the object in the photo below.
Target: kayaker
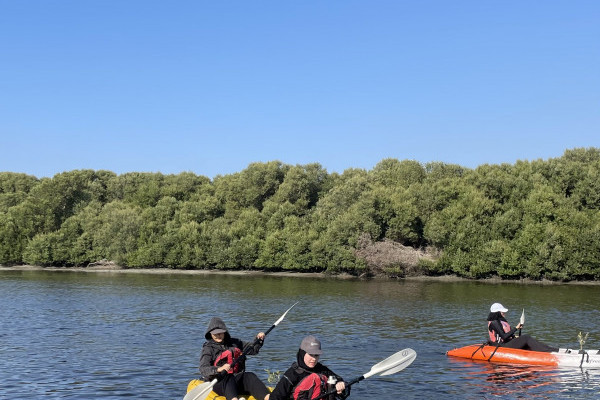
(307, 379)
(218, 353)
(502, 334)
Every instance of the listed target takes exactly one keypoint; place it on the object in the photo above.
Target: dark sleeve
(326, 371)
(496, 326)
(283, 389)
(251, 348)
(207, 369)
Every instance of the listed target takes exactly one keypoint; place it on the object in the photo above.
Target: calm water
(77, 335)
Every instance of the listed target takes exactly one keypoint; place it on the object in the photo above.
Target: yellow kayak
(212, 395)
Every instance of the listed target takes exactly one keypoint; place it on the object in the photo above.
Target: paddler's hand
(260, 336)
(224, 367)
(519, 326)
(340, 386)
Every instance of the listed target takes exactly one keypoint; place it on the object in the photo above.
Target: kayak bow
(212, 395)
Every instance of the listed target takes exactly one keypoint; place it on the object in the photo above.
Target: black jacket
(495, 326)
(212, 349)
(294, 374)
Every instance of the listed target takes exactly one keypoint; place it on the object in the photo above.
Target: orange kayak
(505, 355)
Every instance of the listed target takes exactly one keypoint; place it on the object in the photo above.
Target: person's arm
(284, 387)
(207, 369)
(252, 347)
(496, 326)
(340, 384)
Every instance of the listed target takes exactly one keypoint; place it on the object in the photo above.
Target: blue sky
(212, 86)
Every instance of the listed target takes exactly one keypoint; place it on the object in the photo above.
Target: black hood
(300, 360)
(214, 323)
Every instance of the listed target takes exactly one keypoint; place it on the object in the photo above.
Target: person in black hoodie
(503, 335)
(307, 378)
(216, 359)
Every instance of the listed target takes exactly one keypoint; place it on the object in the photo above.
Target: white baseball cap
(498, 307)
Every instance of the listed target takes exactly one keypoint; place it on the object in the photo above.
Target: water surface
(109, 335)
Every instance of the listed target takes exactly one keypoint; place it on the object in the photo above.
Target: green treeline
(538, 220)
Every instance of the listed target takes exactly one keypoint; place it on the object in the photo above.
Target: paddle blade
(394, 363)
(201, 391)
(522, 321)
(400, 367)
(283, 316)
(409, 355)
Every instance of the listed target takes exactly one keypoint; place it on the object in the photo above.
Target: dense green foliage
(538, 220)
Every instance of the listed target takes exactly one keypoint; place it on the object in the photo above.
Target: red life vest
(310, 387)
(494, 337)
(227, 357)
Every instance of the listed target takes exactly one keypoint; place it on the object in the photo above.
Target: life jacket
(310, 387)
(227, 357)
(494, 337)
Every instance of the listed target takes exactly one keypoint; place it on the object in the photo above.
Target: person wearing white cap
(501, 334)
(307, 378)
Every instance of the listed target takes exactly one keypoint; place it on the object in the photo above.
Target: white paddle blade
(409, 356)
(394, 363)
(201, 391)
(283, 316)
(522, 321)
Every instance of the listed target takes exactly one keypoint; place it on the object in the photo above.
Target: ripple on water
(93, 336)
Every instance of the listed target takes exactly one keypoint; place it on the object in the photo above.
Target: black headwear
(495, 316)
(300, 360)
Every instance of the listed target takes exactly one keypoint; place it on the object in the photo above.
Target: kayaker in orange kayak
(501, 333)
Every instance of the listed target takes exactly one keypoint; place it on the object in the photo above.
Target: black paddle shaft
(256, 341)
(242, 356)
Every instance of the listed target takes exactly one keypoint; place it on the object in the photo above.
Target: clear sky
(212, 86)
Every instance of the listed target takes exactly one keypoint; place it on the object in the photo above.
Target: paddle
(522, 321)
(202, 391)
(394, 363)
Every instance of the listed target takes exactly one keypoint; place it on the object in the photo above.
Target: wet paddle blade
(400, 366)
(522, 321)
(283, 316)
(394, 363)
(201, 391)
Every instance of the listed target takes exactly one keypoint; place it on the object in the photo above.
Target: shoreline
(107, 267)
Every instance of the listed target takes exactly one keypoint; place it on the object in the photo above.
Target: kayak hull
(212, 395)
(505, 355)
